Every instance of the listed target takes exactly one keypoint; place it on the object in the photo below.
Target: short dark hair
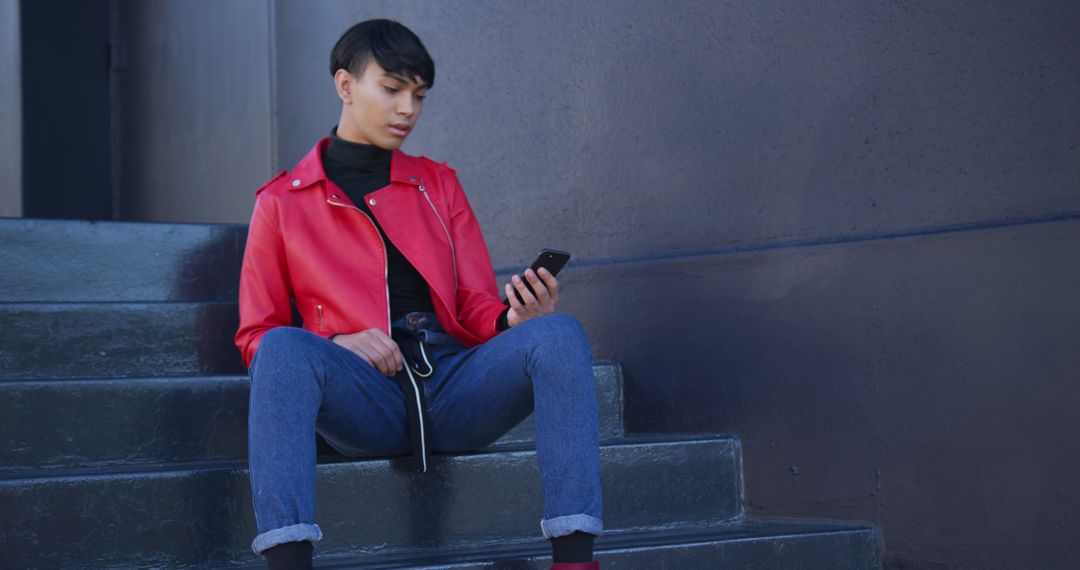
(395, 48)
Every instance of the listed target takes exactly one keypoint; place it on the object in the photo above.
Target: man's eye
(421, 97)
(390, 89)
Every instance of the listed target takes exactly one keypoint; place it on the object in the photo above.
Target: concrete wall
(844, 231)
(675, 126)
(925, 382)
(196, 130)
(10, 111)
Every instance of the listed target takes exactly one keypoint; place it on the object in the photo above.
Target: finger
(515, 303)
(366, 344)
(384, 357)
(369, 355)
(540, 290)
(396, 357)
(383, 361)
(386, 364)
(399, 360)
(391, 350)
(552, 284)
(355, 349)
(384, 348)
(516, 312)
(530, 300)
(549, 280)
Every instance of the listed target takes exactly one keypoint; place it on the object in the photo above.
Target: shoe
(594, 565)
(289, 556)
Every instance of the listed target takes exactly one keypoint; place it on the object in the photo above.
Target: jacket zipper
(386, 269)
(453, 254)
(319, 309)
(386, 281)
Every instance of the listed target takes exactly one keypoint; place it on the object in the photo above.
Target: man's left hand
(542, 303)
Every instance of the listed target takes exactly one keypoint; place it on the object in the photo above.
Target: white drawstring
(420, 416)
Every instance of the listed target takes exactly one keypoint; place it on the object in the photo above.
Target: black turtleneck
(359, 169)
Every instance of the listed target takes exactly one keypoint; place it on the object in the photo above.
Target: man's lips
(400, 129)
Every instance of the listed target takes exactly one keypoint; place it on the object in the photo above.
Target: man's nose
(405, 106)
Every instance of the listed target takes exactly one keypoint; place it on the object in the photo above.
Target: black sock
(289, 556)
(577, 547)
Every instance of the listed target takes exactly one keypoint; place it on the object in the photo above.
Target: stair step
(765, 544)
(199, 517)
(116, 449)
(80, 261)
(108, 340)
(114, 422)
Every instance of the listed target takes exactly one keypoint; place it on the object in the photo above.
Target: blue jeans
(301, 382)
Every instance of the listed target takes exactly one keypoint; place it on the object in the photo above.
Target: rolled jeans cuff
(291, 533)
(569, 524)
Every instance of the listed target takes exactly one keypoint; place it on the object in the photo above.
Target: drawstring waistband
(411, 333)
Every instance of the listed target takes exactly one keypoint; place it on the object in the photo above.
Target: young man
(405, 343)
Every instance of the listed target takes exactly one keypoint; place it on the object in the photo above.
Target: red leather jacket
(308, 242)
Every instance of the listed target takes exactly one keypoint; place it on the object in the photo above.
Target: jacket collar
(404, 168)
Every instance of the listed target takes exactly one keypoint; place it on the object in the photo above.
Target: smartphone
(551, 259)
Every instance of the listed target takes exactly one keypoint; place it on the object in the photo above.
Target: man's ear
(343, 83)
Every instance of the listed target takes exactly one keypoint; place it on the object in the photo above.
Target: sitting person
(405, 346)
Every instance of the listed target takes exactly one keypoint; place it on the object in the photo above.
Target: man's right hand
(375, 347)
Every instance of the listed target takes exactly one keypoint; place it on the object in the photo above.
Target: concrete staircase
(123, 439)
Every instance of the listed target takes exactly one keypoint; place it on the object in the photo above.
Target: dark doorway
(66, 109)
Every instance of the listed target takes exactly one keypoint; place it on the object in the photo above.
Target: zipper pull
(318, 308)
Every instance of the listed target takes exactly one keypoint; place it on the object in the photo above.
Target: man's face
(378, 108)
